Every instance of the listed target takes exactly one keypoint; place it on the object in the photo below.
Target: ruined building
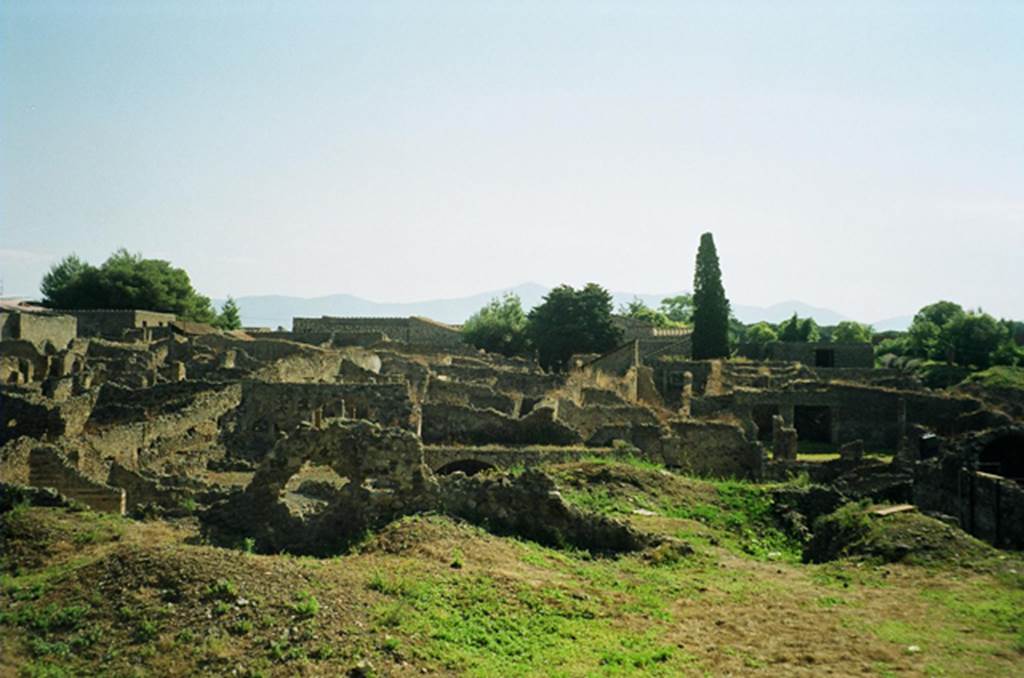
(363, 419)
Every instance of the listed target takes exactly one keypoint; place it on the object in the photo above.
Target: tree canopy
(945, 332)
(499, 327)
(710, 305)
(678, 309)
(638, 310)
(760, 333)
(124, 280)
(572, 321)
(851, 331)
(799, 329)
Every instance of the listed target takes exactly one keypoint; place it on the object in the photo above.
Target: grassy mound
(84, 594)
(999, 377)
(736, 513)
(908, 537)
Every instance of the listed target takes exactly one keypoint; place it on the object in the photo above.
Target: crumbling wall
(855, 411)
(473, 395)
(712, 448)
(25, 413)
(530, 505)
(47, 469)
(268, 409)
(387, 478)
(455, 424)
(167, 428)
(438, 457)
(588, 420)
(40, 329)
(987, 505)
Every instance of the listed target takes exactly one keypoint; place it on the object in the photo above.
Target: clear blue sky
(864, 156)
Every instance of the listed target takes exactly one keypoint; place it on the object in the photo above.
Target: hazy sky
(868, 157)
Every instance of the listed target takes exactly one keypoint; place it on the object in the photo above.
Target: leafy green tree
(571, 321)
(638, 310)
(974, 337)
(125, 280)
(229, 317)
(498, 327)
(850, 331)
(710, 305)
(760, 333)
(678, 309)
(799, 329)
(928, 335)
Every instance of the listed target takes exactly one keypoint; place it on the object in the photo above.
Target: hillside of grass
(1000, 377)
(999, 387)
(88, 594)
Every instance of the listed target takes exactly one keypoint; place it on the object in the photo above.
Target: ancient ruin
(306, 442)
(134, 411)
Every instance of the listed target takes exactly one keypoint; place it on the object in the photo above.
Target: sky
(866, 156)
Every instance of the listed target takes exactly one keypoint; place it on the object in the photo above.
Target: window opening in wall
(1004, 457)
(824, 357)
(813, 423)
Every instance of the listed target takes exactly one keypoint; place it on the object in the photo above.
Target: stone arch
(468, 466)
(357, 450)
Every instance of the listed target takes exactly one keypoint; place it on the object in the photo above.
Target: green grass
(742, 511)
(484, 626)
(999, 377)
(512, 607)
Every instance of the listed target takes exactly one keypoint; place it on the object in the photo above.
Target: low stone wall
(438, 457)
(988, 506)
(455, 424)
(712, 448)
(472, 395)
(47, 469)
(531, 506)
(587, 420)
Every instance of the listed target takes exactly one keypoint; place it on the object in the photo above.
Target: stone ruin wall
(268, 408)
(39, 328)
(417, 331)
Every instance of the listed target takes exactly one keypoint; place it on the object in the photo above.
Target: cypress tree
(711, 308)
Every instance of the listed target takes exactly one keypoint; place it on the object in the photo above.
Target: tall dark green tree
(571, 321)
(710, 306)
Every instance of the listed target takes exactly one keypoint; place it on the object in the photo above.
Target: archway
(468, 466)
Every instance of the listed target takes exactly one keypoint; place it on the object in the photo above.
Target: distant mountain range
(277, 311)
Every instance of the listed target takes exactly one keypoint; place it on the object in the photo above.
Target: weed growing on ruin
(305, 605)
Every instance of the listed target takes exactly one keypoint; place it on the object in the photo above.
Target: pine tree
(711, 308)
(229, 317)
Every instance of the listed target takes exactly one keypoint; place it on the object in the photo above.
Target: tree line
(571, 321)
(574, 321)
(129, 281)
